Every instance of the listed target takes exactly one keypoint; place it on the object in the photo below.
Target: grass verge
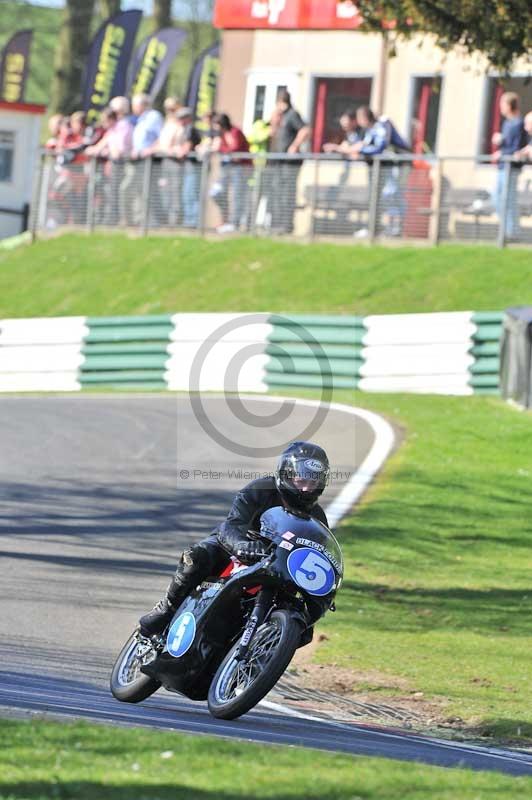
(104, 275)
(45, 760)
(436, 609)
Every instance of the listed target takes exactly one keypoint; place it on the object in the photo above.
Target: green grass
(116, 275)
(43, 760)
(438, 589)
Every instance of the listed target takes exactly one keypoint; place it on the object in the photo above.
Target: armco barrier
(486, 343)
(126, 352)
(444, 353)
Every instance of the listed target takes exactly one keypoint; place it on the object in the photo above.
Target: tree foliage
(500, 29)
(108, 8)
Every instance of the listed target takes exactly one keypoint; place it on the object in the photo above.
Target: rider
(300, 478)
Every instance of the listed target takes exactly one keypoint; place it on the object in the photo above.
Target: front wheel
(240, 685)
(128, 683)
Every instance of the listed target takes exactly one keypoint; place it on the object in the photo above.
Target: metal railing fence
(392, 198)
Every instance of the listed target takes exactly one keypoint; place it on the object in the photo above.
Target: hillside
(113, 274)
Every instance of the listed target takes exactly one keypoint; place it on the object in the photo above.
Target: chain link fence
(392, 198)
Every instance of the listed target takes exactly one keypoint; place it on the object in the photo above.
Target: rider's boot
(156, 620)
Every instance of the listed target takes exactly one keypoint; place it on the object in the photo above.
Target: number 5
(313, 572)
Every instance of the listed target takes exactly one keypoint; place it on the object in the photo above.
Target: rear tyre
(239, 685)
(128, 683)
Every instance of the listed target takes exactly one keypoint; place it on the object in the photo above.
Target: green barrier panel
(492, 392)
(311, 350)
(125, 348)
(484, 381)
(487, 333)
(113, 322)
(482, 317)
(485, 349)
(484, 366)
(345, 321)
(311, 381)
(137, 362)
(124, 376)
(317, 366)
(129, 333)
(127, 385)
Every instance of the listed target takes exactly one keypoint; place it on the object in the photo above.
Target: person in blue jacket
(381, 136)
(508, 141)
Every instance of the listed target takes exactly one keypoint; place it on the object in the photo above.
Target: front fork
(262, 605)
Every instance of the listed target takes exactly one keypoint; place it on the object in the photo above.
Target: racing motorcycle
(235, 634)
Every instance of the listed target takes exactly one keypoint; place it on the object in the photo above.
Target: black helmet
(302, 474)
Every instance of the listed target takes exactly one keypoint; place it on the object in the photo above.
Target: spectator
(525, 154)
(167, 174)
(509, 141)
(351, 135)
(116, 144)
(148, 125)
(187, 141)
(381, 136)
(234, 173)
(146, 130)
(289, 134)
(55, 123)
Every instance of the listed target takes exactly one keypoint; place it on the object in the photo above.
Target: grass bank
(436, 609)
(102, 275)
(44, 760)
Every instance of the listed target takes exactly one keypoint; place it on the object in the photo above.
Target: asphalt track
(97, 497)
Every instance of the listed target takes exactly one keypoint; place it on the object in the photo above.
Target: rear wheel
(128, 683)
(240, 685)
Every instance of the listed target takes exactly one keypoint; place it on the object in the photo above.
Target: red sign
(291, 14)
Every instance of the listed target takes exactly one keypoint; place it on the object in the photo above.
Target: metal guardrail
(394, 198)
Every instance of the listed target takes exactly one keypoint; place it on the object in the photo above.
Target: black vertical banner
(14, 67)
(152, 60)
(203, 81)
(106, 73)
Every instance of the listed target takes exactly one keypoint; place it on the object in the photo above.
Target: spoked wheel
(240, 685)
(128, 683)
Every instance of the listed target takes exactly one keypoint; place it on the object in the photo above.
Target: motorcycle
(234, 636)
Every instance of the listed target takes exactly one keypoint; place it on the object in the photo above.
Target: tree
(70, 55)
(162, 14)
(109, 8)
(499, 29)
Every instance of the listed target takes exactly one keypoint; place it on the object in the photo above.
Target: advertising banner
(106, 73)
(203, 81)
(288, 14)
(14, 63)
(152, 60)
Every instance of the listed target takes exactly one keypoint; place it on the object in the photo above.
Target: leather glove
(249, 552)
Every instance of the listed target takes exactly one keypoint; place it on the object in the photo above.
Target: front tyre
(240, 685)
(128, 683)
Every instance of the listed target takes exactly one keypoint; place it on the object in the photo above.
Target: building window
(492, 120)
(425, 114)
(333, 96)
(260, 97)
(7, 148)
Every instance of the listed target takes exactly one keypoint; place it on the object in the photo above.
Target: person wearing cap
(184, 149)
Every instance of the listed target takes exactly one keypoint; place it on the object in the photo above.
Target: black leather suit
(212, 555)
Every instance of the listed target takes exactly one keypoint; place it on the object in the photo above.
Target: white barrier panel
(53, 330)
(216, 373)
(416, 360)
(40, 358)
(418, 384)
(440, 328)
(228, 349)
(39, 382)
